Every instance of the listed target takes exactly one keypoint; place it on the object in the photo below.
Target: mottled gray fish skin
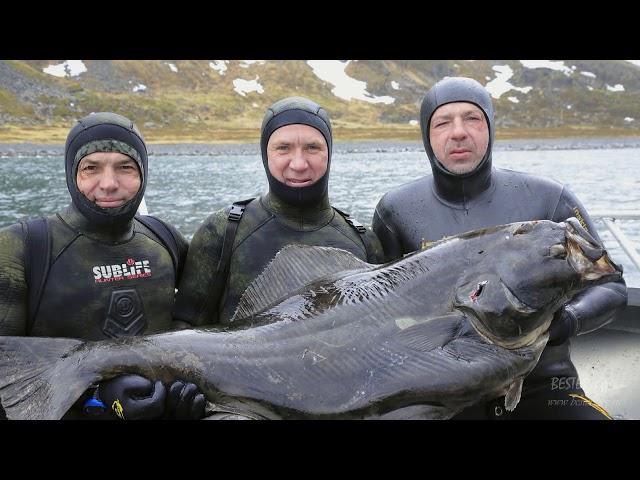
(422, 337)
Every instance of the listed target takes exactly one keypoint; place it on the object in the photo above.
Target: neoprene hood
(289, 111)
(104, 132)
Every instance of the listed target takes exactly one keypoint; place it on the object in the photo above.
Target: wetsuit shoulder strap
(166, 236)
(233, 221)
(37, 260)
(358, 227)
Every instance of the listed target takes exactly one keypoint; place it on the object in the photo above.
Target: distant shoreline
(213, 135)
(36, 149)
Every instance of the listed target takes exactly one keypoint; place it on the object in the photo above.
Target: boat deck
(608, 363)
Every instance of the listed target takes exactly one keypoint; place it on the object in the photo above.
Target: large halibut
(321, 334)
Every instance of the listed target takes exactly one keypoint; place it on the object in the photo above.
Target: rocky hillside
(220, 100)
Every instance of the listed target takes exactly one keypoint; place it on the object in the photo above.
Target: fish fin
(428, 334)
(292, 268)
(512, 396)
(32, 386)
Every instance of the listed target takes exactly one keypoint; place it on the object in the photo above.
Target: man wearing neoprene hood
(92, 271)
(465, 192)
(296, 144)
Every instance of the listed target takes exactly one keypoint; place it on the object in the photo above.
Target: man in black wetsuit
(103, 273)
(465, 192)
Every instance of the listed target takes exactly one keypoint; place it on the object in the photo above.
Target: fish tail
(33, 383)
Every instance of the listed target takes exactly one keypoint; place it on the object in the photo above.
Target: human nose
(108, 180)
(298, 162)
(458, 131)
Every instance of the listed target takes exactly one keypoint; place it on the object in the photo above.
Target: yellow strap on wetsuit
(592, 404)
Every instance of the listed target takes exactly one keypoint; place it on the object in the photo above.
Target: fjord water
(189, 182)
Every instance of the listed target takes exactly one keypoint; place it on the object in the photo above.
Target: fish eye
(478, 291)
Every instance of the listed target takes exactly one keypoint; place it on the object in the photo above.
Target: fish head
(529, 270)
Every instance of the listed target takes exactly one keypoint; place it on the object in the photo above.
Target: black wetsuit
(443, 204)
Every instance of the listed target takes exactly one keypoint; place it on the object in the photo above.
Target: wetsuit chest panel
(95, 291)
(509, 201)
(256, 251)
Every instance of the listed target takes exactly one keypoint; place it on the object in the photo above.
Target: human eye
(123, 169)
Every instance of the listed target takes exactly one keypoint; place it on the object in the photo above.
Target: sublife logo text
(124, 271)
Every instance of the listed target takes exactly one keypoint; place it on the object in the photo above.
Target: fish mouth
(587, 256)
(519, 308)
(516, 302)
(512, 342)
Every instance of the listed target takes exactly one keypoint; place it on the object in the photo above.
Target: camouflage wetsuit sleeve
(13, 286)
(596, 306)
(196, 302)
(385, 230)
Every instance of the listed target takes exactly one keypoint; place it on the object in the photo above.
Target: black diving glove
(562, 327)
(132, 397)
(185, 401)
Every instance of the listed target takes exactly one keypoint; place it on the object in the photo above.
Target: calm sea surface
(188, 182)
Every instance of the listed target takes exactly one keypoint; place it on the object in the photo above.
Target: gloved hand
(185, 401)
(562, 327)
(132, 397)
